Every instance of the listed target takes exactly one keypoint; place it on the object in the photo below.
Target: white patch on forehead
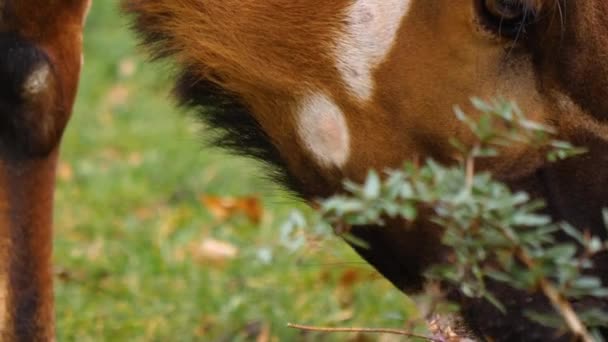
(323, 130)
(372, 27)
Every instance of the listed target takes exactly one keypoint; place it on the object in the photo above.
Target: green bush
(493, 233)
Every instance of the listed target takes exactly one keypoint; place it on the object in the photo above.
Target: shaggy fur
(235, 128)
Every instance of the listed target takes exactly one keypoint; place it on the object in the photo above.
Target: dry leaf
(145, 213)
(127, 67)
(264, 335)
(118, 95)
(347, 282)
(215, 251)
(206, 325)
(223, 208)
(350, 277)
(135, 159)
(65, 171)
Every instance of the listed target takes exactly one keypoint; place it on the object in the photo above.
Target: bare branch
(360, 330)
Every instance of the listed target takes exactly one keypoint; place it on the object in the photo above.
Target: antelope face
(40, 60)
(329, 89)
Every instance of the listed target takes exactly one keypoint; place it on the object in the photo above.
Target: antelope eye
(503, 17)
(507, 10)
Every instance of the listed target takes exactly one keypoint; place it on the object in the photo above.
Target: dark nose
(27, 99)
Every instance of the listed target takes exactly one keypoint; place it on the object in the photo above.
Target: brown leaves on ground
(347, 284)
(225, 208)
(127, 67)
(118, 95)
(215, 252)
(65, 172)
(209, 251)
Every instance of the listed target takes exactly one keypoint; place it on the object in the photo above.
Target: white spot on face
(372, 27)
(323, 130)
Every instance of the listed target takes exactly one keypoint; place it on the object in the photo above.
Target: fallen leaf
(135, 159)
(206, 325)
(118, 95)
(127, 67)
(347, 282)
(65, 172)
(145, 213)
(350, 277)
(215, 251)
(224, 208)
(264, 335)
(252, 207)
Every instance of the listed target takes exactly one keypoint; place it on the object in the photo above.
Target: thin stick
(359, 330)
(470, 172)
(561, 304)
(565, 308)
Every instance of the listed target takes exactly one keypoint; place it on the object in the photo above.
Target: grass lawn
(141, 257)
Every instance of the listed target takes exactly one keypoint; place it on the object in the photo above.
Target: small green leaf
(481, 105)
(372, 186)
(494, 301)
(564, 252)
(409, 212)
(572, 232)
(531, 220)
(586, 282)
(499, 276)
(355, 241)
(551, 320)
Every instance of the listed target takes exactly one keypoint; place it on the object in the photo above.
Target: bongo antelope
(326, 90)
(322, 90)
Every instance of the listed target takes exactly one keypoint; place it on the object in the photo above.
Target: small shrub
(494, 233)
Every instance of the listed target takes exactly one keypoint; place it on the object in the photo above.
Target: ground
(146, 247)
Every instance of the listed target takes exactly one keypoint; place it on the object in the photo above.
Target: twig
(562, 305)
(565, 308)
(360, 330)
(470, 172)
(558, 301)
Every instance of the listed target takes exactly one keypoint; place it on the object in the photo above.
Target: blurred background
(161, 238)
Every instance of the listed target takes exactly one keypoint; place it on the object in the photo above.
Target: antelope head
(325, 90)
(40, 60)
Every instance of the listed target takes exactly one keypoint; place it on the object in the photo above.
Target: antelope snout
(28, 110)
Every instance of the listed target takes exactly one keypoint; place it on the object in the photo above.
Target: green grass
(128, 217)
